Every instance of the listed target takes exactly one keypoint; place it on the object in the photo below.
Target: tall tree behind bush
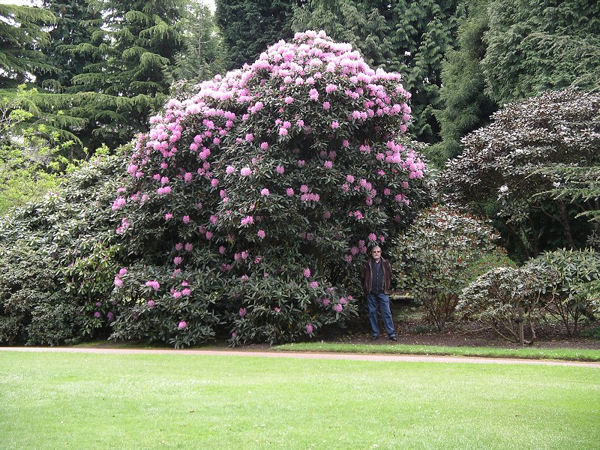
(249, 26)
(136, 47)
(534, 46)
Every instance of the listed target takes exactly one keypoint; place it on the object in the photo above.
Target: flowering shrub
(269, 184)
(440, 252)
(573, 297)
(508, 300)
(243, 213)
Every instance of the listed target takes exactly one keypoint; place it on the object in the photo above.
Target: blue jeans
(382, 302)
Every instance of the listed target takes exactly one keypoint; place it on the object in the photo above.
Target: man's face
(376, 254)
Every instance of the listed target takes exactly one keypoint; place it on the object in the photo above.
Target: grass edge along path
(566, 354)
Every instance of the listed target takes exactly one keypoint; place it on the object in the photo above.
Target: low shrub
(508, 300)
(440, 252)
(575, 297)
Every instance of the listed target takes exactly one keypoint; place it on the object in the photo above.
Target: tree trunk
(564, 221)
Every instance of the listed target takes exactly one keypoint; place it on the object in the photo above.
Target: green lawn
(576, 354)
(66, 400)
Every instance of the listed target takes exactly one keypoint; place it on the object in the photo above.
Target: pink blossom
(280, 169)
(122, 272)
(289, 192)
(289, 100)
(150, 304)
(118, 203)
(350, 178)
(153, 284)
(265, 192)
(337, 307)
(182, 325)
(229, 170)
(348, 258)
(245, 171)
(248, 220)
(326, 105)
(249, 137)
(189, 247)
(208, 235)
(186, 292)
(372, 237)
(328, 164)
(264, 145)
(168, 216)
(261, 234)
(301, 163)
(186, 219)
(242, 312)
(309, 328)
(214, 182)
(283, 131)
(306, 272)
(177, 260)
(176, 294)
(118, 282)
(304, 188)
(277, 309)
(327, 215)
(222, 250)
(335, 125)
(314, 284)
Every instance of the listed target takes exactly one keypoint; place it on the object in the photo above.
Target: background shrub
(575, 295)
(440, 252)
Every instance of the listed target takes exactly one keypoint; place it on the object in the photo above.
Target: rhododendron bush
(270, 183)
(246, 210)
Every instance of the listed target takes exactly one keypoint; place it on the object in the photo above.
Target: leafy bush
(440, 253)
(249, 206)
(574, 297)
(508, 300)
(58, 258)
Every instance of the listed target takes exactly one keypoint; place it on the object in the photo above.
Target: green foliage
(22, 40)
(33, 156)
(249, 26)
(57, 261)
(203, 53)
(508, 164)
(508, 300)
(409, 37)
(129, 71)
(464, 106)
(440, 252)
(575, 293)
(536, 46)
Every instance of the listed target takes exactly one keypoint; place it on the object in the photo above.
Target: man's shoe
(374, 338)
(393, 338)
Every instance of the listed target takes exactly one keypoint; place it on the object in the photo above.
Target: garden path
(309, 355)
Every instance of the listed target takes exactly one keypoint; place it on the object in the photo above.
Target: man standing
(377, 278)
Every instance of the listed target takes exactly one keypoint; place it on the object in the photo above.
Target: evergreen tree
(404, 36)
(135, 52)
(465, 106)
(203, 52)
(534, 46)
(22, 37)
(358, 23)
(249, 26)
(77, 21)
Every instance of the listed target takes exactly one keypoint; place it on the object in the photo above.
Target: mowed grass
(576, 354)
(74, 400)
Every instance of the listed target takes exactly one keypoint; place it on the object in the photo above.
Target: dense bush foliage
(58, 258)
(573, 297)
(508, 300)
(503, 165)
(248, 208)
(440, 252)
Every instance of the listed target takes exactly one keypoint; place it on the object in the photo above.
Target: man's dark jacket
(387, 276)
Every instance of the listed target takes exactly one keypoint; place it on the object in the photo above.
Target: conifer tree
(534, 46)
(203, 53)
(249, 26)
(465, 107)
(22, 37)
(136, 50)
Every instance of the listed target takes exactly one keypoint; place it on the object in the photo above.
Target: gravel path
(308, 355)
